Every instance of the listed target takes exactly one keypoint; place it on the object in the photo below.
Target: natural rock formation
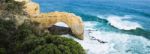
(48, 19)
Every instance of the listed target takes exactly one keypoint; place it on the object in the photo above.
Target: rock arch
(49, 19)
(74, 22)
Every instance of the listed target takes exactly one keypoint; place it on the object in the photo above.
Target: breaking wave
(121, 22)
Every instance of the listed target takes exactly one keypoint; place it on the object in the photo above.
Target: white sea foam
(90, 25)
(117, 43)
(120, 22)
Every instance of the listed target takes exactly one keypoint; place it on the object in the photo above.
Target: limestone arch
(49, 19)
(73, 21)
(76, 27)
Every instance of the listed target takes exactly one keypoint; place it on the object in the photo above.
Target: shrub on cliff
(9, 8)
(54, 45)
(25, 39)
(7, 29)
(49, 44)
(2, 51)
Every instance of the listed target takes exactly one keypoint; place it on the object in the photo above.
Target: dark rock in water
(128, 50)
(58, 30)
(100, 41)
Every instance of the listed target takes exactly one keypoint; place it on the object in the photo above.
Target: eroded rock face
(48, 19)
(26, 1)
(32, 8)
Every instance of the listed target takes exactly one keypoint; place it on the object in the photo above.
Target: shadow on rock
(58, 30)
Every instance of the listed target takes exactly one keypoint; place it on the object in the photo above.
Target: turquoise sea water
(125, 25)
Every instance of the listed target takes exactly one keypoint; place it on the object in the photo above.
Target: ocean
(123, 24)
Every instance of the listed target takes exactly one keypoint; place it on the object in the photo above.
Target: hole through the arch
(62, 24)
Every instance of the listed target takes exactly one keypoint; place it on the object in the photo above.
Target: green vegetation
(9, 8)
(27, 38)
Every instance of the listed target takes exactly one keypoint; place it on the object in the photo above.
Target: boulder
(59, 30)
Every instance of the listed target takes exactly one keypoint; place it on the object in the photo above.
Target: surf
(115, 43)
(121, 22)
